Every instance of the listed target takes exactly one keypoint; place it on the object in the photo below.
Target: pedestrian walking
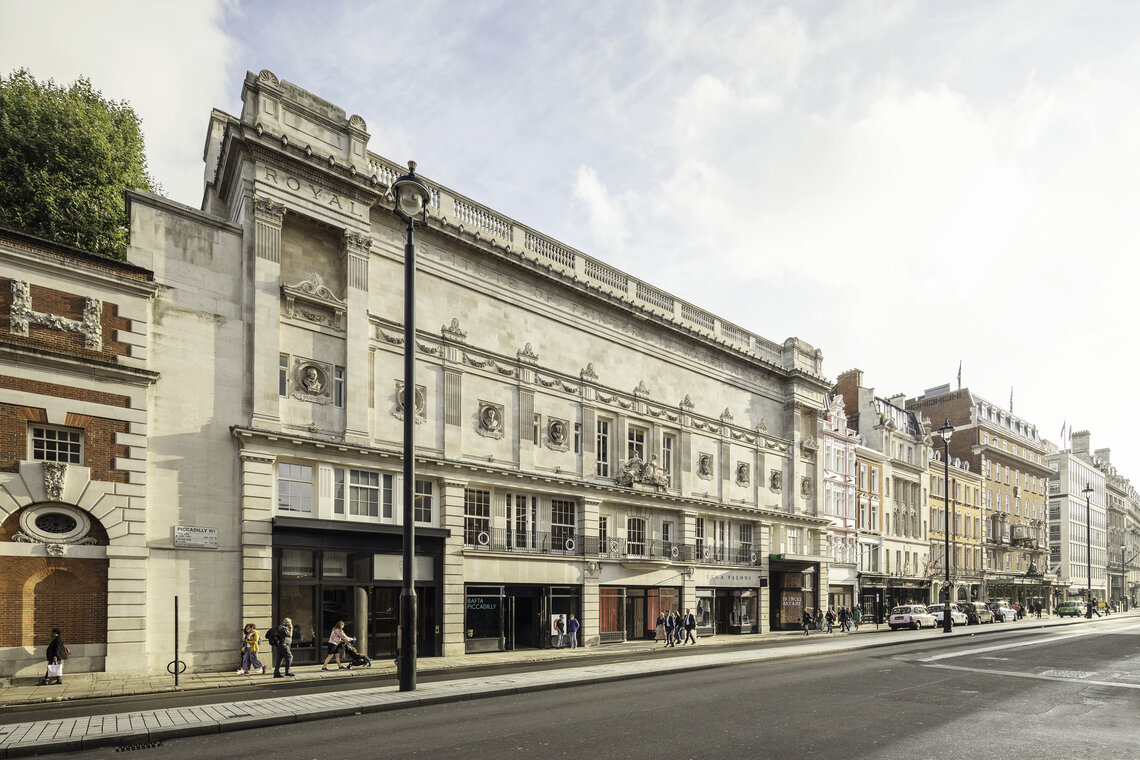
(559, 626)
(337, 639)
(249, 650)
(690, 626)
(857, 616)
(56, 653)
(844, 619)
(574, 626)
(659, 631)
(819, 619)
(678, 628)
(830, 618)
(282, 643)
(670, 625)
(807, 620)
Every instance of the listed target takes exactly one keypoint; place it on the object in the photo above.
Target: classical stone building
(1008, 452)
(839, 503)
(967, 523)
(586, 443)
(78, 536)
(897, 434)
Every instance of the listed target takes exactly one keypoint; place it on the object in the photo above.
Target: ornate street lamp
(946, 431)
(1088, 491)
(411, 196)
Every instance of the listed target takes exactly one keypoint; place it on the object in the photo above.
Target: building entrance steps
(140, 727)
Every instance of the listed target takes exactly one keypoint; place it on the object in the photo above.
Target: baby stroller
(356, 659)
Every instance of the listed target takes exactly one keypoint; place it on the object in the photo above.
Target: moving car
(1002, 611)
(1072, 608)
(957, 617)
(977, 612)
(910, 616)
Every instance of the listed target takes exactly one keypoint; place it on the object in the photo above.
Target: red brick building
(73, 414)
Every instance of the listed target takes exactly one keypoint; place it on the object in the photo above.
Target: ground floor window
(504, 618)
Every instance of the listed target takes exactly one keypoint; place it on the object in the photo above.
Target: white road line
(1038, 677)
(1098, 631)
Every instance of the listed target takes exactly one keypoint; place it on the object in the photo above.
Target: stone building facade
(967, 524)
(587, 444)
(897, 434)
(75, 392)
(1008, 453)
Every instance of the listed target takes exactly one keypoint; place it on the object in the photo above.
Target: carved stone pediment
(311, 300)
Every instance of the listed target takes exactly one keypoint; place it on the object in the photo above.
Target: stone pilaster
(357, 248)
(268, 216)
(256, 538)
(454, 596)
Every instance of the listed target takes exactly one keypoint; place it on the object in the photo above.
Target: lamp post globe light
(946, 431)
(411, 197)
(1088, 490)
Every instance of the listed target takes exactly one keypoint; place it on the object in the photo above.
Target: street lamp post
(411, 198)
(946, 431)
(1088, 491)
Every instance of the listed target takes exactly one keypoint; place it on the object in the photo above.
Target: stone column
(590, 633)
(454, 595)
(268, 215)
(356, 248)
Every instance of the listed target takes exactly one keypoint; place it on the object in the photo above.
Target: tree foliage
(66, 156)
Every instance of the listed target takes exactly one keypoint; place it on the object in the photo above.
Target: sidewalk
(141, 727)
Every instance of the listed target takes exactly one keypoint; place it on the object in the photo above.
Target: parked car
(910, 616)
(977, 612)
(1002, 611)
(1072, 608)
(957, 617)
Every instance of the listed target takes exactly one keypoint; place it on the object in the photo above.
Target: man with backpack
(281, 639)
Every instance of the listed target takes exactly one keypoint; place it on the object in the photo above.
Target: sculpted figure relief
(630, 471)
(704, 465)
(312, 380)
(491, 418)
(775, 480)
(557, 432)
(653, 475)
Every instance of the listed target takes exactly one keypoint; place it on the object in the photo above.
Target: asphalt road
(1049, 693)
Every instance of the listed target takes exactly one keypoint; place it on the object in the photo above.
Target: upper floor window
(563, 522)
(476, 517)
(636, 443)
(577, 437)
(792, 540)
(52, 444)
(294, 487)
(668, 449)
(603, 445)
(338, 387)
(424, 501)
(635, 537)
(283, 375)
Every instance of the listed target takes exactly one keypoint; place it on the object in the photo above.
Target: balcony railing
(566, 544)
(524, 542)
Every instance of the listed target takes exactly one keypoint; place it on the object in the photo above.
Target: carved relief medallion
(775, 480)
(742, 473)
(420, 402)
(704, 466)
(556, 435)
(312, 381)
(490, 420)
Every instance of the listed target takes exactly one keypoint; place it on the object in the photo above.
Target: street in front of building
(912, 695)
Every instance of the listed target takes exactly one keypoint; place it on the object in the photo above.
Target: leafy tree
(66, 156)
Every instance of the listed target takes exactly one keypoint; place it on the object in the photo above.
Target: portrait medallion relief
(557, 435)
(704, 466)
(490, 423)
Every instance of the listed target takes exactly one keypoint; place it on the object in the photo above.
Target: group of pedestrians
(567, 629)
(279, 638)
(845, 617)
(674, 628)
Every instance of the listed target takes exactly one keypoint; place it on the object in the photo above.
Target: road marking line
(1032, 643)
(1037, 677)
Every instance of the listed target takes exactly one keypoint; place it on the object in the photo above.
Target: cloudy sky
(904, 185)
